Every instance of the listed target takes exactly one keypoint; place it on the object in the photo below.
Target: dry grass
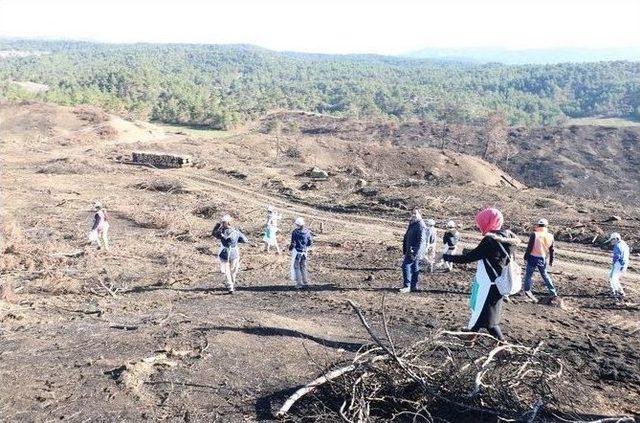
(73, 166)
(169, 220)
(28, 259)
(148, 220)
(18, 253)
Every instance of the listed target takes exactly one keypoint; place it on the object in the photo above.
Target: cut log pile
(162, 160)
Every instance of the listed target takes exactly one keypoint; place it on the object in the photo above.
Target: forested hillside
(221, 86)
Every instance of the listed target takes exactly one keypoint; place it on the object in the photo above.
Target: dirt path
(571, 257)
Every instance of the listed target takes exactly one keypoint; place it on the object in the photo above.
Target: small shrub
(162, 185)
(293, 153)
(207, 211)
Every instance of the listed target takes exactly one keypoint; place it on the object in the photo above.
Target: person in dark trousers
(413, 247)
(301, 241)
(539, 253)
(486, 300)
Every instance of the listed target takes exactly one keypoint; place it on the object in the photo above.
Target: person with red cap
(491, 255)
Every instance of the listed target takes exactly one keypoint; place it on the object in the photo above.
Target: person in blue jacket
(619, 264)
(414, 246)
(229, 253)
(301, 241)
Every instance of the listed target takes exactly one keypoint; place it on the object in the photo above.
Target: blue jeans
(410, 272)
(540, 264)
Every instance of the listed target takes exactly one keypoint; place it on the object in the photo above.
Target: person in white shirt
(430, 251)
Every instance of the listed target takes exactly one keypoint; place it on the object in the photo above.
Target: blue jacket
(229, 237)
(415, 239)
(621, 254)
(301, 240)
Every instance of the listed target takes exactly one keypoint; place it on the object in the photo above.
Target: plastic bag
(473, 298)
(93, 236)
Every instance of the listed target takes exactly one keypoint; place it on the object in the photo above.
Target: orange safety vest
(542, 242)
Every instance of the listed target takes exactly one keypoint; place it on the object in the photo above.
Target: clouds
(356, 26)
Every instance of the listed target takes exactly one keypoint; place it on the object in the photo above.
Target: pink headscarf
(489, 220)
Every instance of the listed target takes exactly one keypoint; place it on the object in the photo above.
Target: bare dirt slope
(170, 345)
(587, 160)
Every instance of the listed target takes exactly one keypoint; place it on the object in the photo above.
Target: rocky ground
(146, 331)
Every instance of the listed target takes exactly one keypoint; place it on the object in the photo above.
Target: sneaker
(405, 290)
(530, 296)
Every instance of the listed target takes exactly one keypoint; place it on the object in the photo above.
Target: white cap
(543, 222)
(615, 236)
(430, 222)
(299, 221)
(97, 205)
(226, 218)
(451, 224)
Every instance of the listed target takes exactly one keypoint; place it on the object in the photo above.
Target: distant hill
(530, 56)
(223, 86)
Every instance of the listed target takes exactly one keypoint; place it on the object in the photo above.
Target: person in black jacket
(413, 249)
(450, 241)
(229, 253)
(490, 254)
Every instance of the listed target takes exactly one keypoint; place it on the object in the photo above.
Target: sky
(332, 26)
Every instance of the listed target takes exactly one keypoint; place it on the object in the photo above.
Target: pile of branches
(446, 376)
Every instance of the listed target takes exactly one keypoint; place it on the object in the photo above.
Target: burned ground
(588, 160)
(170, 344)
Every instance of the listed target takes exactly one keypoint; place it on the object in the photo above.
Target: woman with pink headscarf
(486, 300)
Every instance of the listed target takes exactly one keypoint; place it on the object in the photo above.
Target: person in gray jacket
(413, 247)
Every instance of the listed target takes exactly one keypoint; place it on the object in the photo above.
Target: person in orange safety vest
(539, 253)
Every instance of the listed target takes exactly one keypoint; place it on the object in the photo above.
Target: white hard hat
(299, 221)
(613, 236)
(97, 205)
(430, 222)
(226, 218)
(451, 224)
(543, 222)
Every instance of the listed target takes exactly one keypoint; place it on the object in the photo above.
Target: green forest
(222, 86)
